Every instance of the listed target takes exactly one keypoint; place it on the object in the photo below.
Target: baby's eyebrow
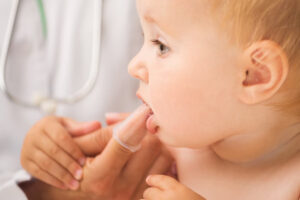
(148, 17)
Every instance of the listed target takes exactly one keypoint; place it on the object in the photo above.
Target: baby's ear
(265, 68)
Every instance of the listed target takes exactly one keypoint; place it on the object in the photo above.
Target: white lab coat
(66, 55)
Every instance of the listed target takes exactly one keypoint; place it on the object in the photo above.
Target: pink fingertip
(148, 179)
(82, 161)
(113, 116)
(78, 174)
(92, 126)
(74, 185)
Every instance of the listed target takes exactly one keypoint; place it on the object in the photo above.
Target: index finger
(115, 155)
(114, 118)
(94, 143)
(162, 182)
(62, 138)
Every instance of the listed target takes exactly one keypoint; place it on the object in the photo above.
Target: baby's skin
(210, 102)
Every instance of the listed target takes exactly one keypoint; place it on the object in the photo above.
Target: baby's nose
(137, 68)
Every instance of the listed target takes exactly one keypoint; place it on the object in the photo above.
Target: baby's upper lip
(143, 100)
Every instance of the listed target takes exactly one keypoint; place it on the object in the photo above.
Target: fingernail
(112, 115)
(148, 179)
(82, 161)
(78, 174)
(74, 185)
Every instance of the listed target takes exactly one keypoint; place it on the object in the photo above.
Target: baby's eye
(162, 48)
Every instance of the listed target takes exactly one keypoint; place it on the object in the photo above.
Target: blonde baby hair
(248, 21)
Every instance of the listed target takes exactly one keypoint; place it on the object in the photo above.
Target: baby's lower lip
(151, 125)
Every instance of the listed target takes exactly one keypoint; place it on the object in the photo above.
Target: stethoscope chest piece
(49, 104)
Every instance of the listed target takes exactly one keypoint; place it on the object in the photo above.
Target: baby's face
(187, 71)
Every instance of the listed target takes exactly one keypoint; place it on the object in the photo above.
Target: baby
(221, 80)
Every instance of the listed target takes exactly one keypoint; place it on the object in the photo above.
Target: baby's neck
(287, 151)
(282, 154)
(205, 172)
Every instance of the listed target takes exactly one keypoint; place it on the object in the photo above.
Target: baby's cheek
(175, 100)
(174, 120)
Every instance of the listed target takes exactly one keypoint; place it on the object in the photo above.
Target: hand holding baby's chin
(168, 188)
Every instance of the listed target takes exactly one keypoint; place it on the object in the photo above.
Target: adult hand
(129, 184)
(50, 154)
(118, 173)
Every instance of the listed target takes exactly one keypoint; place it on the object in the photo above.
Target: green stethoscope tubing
(43, 17)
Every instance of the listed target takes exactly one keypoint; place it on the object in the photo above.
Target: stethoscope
(49, 104)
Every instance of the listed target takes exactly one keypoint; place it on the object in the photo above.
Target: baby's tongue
(151, 125)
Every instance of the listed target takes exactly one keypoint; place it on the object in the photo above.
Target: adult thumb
(94, 143)
(80, 128)
(115, 155)
(114, 118)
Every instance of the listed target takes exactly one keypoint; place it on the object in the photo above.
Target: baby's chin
(167, 139)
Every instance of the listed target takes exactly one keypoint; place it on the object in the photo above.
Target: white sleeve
(9, 188)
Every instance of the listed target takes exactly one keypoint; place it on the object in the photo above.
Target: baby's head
(220, 73)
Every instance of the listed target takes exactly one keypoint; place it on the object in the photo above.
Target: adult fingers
(162, 182)
(161, 166)
(152, 193)
(49, 165)
(115, 155)
(113, 118)
(60, 156)
(80, 128)
(138, 167)
(39, 173)
(94, 143)
(62, 138)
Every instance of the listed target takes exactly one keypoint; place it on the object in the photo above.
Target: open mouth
(144, 102)
(150, 124)
(151, 111)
